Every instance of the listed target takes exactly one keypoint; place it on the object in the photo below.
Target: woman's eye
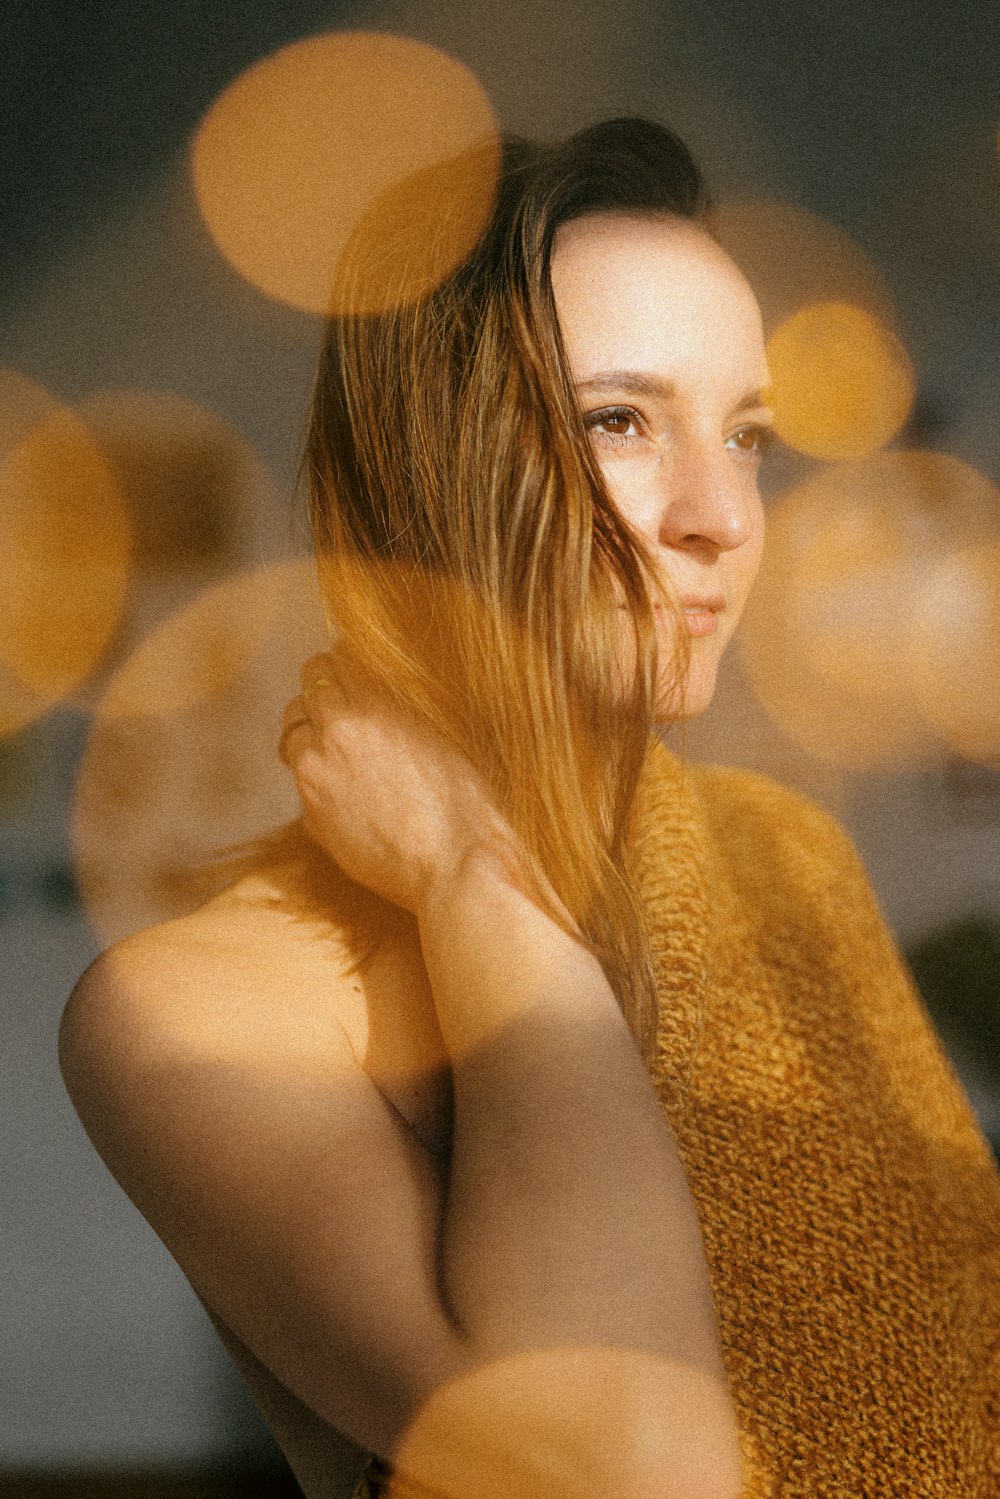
(615, 424)
(753, 440)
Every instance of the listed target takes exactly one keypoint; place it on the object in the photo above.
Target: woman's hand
(395, 806)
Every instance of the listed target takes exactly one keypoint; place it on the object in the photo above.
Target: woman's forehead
(670, 256)
(652, 290)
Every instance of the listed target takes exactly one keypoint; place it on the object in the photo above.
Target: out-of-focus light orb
(65, 556)
(825, 640)
(956, 652)
(793, 258)
(200, 651)
(363, 137)
(843, 383)
(197, 488)
(23, 407)
(182, 760)
(459, 1441)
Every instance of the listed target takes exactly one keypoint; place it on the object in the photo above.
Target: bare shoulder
(235, 974)
(257, 978)
(237, 990)
(240, 1080)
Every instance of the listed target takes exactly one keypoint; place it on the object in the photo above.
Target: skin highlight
(666, 348)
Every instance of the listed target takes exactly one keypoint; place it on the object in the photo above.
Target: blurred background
(177, 183)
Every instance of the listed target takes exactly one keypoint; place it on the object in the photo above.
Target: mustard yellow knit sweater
(849, 1204)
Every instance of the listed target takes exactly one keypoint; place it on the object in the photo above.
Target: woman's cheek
(629, 482)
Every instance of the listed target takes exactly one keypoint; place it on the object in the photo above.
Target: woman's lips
(701, 621)
(700, 615)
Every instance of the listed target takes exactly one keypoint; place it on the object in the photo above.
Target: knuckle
(314, 664)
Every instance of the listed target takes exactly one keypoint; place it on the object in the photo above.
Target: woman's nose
(708, 498)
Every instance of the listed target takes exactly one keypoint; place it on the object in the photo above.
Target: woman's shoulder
(290, 965)
(274, 948)
(677, 786)
(236, 974)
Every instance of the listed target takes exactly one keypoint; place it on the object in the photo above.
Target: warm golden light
(66, 552)
(182, 755)
(200, 651)
(361, 137)
(513, 1429)
(793, 258)
(843, 384)
(825, 640)
(956, 651)
(23, 407)
(197, 489)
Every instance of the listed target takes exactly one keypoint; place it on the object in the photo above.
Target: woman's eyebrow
(632, 382)
(762, 397)
(644, 383)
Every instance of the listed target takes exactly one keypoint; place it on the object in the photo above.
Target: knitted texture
(849, 1205)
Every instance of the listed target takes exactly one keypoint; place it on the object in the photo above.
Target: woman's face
(666, 350)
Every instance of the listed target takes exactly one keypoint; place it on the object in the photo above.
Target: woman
(554, 1119)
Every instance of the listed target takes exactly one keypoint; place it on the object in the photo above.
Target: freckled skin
(666, 349)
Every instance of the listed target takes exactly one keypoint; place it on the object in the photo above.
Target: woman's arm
(569, 1224)
(568, 1221)
(441, 1324)
(569, 1218)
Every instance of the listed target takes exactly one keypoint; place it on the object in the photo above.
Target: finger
(295, 717)
(338, 672)
(285, 750)
(317, 673)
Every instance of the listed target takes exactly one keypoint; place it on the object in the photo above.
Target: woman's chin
(673, 706)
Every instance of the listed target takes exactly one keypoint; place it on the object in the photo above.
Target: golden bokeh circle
(825, 640)
(461, 1442)
(65, 562)
(364, 140)
(24, 405)
(199, 492)
(793, 258)
(843, 383)
(198, 652)
(955, 645)
(181, 760)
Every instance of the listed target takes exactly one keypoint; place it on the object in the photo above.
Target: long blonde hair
(470, 556)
